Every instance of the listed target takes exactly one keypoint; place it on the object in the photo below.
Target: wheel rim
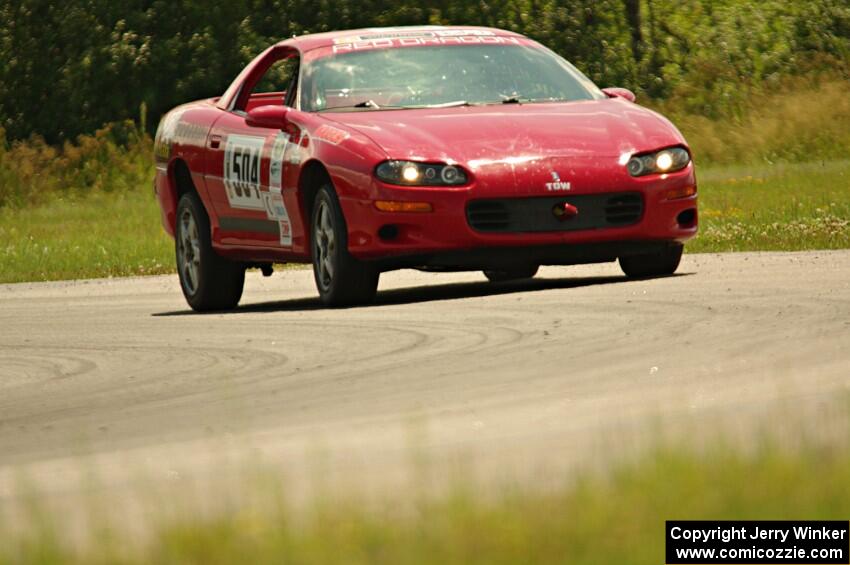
(189, 252)
(324, 243)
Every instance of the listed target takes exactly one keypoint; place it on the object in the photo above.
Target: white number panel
(242, 156)
(276, 162)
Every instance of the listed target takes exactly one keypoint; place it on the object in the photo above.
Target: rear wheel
(209, 282)
(341, 279)
(652, 265)
(513, 274)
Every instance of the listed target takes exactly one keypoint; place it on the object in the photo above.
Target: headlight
(409, 173)
(664, 161)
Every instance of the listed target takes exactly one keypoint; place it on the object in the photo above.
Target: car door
(246, 167)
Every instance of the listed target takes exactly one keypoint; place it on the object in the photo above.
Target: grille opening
(688, 218)
(537, 214)
(388, 232)
(623, 209)
(489, 215)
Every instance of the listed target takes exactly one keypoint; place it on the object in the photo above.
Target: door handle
(215, 141)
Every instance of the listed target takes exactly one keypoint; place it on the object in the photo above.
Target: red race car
(436, 148)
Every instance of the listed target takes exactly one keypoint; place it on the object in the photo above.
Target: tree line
(67, 68)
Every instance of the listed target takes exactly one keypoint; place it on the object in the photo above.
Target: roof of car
(327, 39)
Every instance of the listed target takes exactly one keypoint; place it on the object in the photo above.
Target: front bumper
(402, 238)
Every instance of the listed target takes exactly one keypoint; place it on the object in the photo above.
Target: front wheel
(652, 265)
(341, 279)
(209, 282)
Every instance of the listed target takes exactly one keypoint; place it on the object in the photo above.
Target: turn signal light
(682, 192)
(394, 206)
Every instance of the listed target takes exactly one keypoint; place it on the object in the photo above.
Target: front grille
(595, 211)
(489, 215)
(624, 209)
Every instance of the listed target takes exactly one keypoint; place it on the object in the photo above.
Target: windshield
(417, 77)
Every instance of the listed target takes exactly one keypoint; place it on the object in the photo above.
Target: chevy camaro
(436, 148)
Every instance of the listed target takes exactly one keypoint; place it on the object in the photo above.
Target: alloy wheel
(324, 242)
(189, 252)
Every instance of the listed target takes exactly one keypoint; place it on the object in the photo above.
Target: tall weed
(117, 157)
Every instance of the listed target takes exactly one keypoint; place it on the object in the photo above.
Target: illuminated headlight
(409, 173)
(664, 161)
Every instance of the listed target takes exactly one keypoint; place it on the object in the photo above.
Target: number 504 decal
(242, 155)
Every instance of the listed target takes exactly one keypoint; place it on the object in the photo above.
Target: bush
(115, 157)
(787, 122)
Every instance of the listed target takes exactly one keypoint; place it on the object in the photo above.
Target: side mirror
(272, 116)
(623, 93)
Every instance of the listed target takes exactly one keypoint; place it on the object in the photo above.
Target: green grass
(785, 207)
(616, 518)
(73, 237)
(774, 208)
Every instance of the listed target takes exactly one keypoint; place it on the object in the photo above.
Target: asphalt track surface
(118, 379)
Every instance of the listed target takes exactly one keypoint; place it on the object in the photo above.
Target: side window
(277, 86)
(278, 77)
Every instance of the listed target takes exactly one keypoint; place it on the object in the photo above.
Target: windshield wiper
(453, 104)
(370, 104)
(366, 104)
(514, 99)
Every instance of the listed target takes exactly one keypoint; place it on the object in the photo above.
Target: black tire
(653, 265)
(209, 282)
(341, 279)
(513, 274)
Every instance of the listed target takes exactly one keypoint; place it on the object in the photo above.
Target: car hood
(529, 140)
